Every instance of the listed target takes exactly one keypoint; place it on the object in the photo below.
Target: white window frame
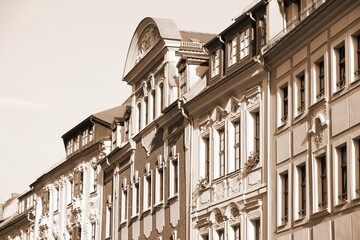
(215, 62)
(318, 204)
(135, 206)
(159, 181)
(317, 57)
(173, 175)
(298, 75)
(354, 50)
(147, 202)
(340, 196)
(300, 211)
(232, 51)
(124, 202)
(245, 43)
(335, 73)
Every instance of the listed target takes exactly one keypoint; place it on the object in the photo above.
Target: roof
(105, 117)
(190, 36)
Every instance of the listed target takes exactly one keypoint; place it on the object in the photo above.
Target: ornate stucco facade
(252, 133)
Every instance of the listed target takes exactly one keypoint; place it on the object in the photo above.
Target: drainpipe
(221, 40)
(182, 101)
(251, 16)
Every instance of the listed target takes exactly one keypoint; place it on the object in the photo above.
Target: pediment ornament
(149, 38)
(147, 140)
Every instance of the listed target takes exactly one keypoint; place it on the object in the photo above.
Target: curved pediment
(149, 33)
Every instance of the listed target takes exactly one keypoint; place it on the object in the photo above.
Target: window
(91, 133)
(114, 138)
(342, 161)
(356, 161)
(45, 202)
(93, 231)
(237, 144)
(285, 197)
(220, 234)
(139, 115)
(322, 181)
(232, 51)
(84, 137)
(153, 106)
(146, 106)
(135, 199)
(204, 236)
(262, 31)
(159, 181)
(235, 232)
(147, 191)
(77, 143)
(320, 80)
(340, 83)
(215, 63)
(221, 134)
(255, 230)
(70, 190)
(301, 93)
(78, 183)
(69, 147)
(108, 218)
(161, 97)
(256, 116)
(206, 144)
(292, 11)
(357, 70)
(76, 235)
(174, 178)
(93, 179)
(124, 200)
(285, 104)
(244, 43)
(56, 198)
(302, 188)
(183, 81)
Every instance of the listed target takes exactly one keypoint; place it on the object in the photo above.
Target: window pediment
(219, 114)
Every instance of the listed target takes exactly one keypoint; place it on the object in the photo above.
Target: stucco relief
(146, 141)
(149, 38)
(319, 123)
(219, 190)
(254, 177)
(234, 185)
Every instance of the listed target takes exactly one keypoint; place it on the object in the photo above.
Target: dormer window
(215, 63)
(70, 147)
(244, 43)
(182, 81)
(232, 51)
(84, 137)
(91, 134)
(76, 143)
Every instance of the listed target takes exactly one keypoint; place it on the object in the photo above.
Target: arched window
(146, 110)
(161, 97)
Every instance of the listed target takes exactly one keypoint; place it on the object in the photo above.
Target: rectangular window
(91, 134)
(57, 198)
(108, 222)
(124, 204)
(93, 231)
(342, 161)
(146, 110)
(206, 141)
(357, 164)
(262, 31)
(321, 161)
(159, 185)
(135, 199)
(237, 145)
(77, 143)
(220, 234)
(221, 133)
(147, 192)
(215, 63)
(257, 132)
(174, 178)
(183, 83)
(357, 71)
(139, 115)
(302, 188)
(285, 104)
(257, 228)
(301, 93)
(84, 138)
(232, 48)
(45, 202)
(321, 80)
(285, 197)
(78, 183)
(244, 43)
(341, 66)
(235, 232)
(69, 147)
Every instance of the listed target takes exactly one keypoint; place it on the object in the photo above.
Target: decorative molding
(146, 141)
(150, 37)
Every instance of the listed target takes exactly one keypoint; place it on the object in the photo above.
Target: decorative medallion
(148, 40)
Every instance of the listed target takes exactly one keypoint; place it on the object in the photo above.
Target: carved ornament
(148, 40)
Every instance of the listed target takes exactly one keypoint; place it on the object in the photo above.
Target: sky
(61, 61)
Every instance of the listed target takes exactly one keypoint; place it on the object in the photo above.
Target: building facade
(314, 68)
(252, 133)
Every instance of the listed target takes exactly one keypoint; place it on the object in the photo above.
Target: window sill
(320, 213)
(341, 204)
(134, 217)
(173, 198)
(158, 205)
(146, 211)
(122, 224)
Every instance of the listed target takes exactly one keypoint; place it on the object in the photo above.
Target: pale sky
(61, 61)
